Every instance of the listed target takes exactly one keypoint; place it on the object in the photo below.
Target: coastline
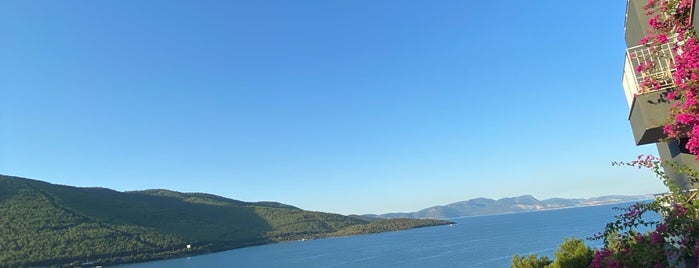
(549, 209)
(271, 242)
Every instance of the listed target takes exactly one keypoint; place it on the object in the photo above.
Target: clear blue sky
(359, 106)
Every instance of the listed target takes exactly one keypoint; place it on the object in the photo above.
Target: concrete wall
(695, 20)
(636, 22)
(672, 151)
(649, 113)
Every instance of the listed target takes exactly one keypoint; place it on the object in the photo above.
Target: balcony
(649, 111)
(661, 72)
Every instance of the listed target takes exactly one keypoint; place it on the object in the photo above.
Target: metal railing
(657, 65)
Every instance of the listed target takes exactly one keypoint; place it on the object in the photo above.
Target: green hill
(55, 225)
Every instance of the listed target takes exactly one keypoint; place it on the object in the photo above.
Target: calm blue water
(486, 241)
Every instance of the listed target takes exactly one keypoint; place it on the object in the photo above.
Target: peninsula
(45, 224)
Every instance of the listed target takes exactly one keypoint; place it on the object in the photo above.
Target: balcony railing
(660, 71)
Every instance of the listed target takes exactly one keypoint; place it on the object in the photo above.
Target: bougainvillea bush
(672, 241)
(671, 24)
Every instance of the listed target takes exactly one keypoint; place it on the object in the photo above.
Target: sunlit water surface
(485, 241)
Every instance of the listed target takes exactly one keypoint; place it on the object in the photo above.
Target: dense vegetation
(571, 254)
(389, 225)
(54, 225)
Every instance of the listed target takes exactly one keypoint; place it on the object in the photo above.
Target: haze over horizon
(352, 107)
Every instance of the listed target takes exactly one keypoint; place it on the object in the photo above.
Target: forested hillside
(45, 224)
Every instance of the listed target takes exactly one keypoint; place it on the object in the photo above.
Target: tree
(531, 261)
(573, 254)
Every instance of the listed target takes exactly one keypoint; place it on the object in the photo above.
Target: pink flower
(601, 258)
(656, 238)
(672, 95)
(661, 228)
(685, 118)
(654, 22)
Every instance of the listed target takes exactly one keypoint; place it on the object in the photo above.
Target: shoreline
(271, 242)
(549, 209)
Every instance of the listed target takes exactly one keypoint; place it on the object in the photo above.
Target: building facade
(649, 111)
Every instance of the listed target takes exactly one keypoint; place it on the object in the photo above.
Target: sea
(481, 241)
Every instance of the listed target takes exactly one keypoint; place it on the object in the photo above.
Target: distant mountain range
(485, 206)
